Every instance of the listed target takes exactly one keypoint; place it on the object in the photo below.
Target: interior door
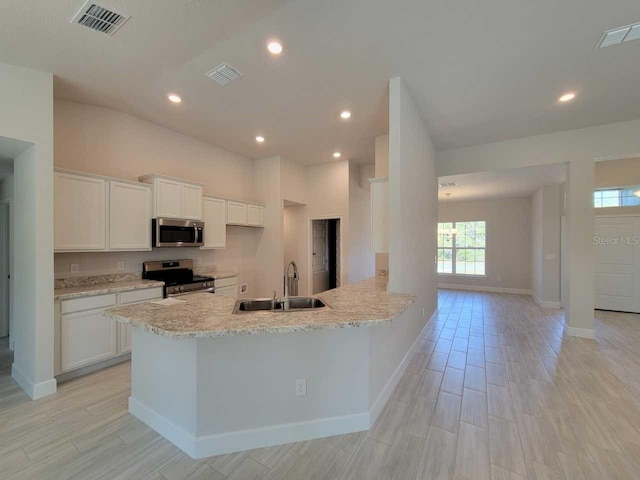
(617, 259)
(320, 257)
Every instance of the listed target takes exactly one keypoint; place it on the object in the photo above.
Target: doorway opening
(325, 254)
(6, 351)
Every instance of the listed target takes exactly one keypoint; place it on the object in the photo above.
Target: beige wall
(361, 258)
(328, 197)
(508, 253)
(106, 142)
(6, 188)
(617, 173)
(382, 170)
(295, 238)
(122, 146)
(269, 255)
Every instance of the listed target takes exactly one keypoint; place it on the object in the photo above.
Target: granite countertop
(103, 288)
(204, 315)
(220, 275)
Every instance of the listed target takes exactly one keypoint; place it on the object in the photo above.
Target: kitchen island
(213, 381)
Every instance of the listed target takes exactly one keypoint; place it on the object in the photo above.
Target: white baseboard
(545, 304)
(220, 444)
(37, 390)
(580, 332)
(392, 383)
(482, 288)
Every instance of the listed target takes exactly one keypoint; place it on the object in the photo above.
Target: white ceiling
(516, 182)
(480, 71)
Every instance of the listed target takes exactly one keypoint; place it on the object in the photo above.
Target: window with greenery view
(461, 248)
(616, 197)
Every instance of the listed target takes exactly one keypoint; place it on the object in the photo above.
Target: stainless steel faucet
(287, 303)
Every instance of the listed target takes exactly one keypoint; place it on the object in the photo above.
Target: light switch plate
(75, 268)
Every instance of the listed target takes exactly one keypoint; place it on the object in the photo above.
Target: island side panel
(391, 349)
(247, 388)
(163, 385)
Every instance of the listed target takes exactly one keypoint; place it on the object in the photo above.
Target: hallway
(494, 391)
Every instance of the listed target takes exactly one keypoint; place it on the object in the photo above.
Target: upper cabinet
(174, 198)
(255, 215)
(98, 214)
(236, 213)
(214, 213)
(243, 214)
(380, 215)
(129, 216)
(80, 212)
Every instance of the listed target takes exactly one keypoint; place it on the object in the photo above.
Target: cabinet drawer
(87, 303)
(225, 282)
(135, 296)
(230, 291)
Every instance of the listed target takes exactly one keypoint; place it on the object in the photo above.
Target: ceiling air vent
(620, 35)
(99, 18)
(445, 185)
(224, 74)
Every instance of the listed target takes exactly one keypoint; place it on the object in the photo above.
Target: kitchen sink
(296, 304)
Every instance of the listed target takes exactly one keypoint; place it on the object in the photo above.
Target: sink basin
(296, 304)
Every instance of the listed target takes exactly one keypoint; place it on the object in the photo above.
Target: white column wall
(581, 263)
(26, 114)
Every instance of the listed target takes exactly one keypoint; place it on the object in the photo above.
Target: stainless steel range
(177, 276)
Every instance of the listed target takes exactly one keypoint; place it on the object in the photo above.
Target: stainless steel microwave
(171, 232)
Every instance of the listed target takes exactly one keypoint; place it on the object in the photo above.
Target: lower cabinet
(85, 337)
(227, 287)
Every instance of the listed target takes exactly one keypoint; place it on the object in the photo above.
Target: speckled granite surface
(205, 315)
(88, 290)
(212, 271)
(96, 279)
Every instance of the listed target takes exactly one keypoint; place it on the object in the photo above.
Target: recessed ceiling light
(567, 97)
(337, 155)
(174, 98)
(274, 47)
(346, 114)
(260, 139)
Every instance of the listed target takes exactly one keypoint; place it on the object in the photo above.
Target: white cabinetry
(99, 214)
(80, 212)
(246, 215)
(380, 215)
(214, 214)
(192, 202)
(174, 198)
(236, 213)
(255, 216)
(226, 286)
(85, 337)
(129, 216)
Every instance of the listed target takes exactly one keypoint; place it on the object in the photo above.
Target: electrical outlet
(198, 260)
(244, 288)
(499, 278)
(301, 387)
(75, 268)
(120, 265)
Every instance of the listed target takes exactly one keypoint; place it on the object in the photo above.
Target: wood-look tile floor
(494, 391)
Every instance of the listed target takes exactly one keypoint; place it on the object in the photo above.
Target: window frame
(454, 249)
